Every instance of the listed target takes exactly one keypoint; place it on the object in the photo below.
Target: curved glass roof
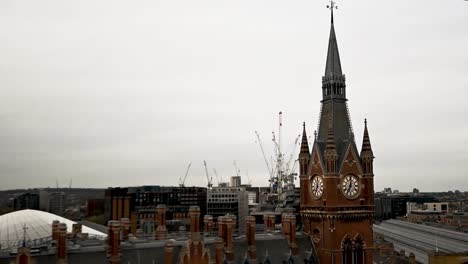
(38, 227)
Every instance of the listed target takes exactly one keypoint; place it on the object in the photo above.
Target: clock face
(350, 186)
(317, 186)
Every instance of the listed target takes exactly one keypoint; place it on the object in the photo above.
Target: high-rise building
(57, 203)
(337, 182)
(26, 201)
(235, 181)
(229, 200)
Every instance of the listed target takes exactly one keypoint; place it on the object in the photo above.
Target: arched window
(347, 248)
(358, 250)
(353, 250)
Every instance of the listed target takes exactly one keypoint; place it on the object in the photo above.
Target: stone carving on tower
(337, 182)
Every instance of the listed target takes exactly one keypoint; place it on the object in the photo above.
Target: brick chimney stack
(168, 252)
(250, 229)
(161, 230)
(219, 250)
(194, 214)
(222, 228)
(62, 244)
(113, 242)
(208, 223)
(133, 223)
(272, 221)
(125, 226)
(285, 224)
(291, 219)
(269, 222)
(55, 229)
(126, 213)
(230, 224)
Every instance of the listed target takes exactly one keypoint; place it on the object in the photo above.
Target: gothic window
(353, 250)
(358, 251)
(347, 251)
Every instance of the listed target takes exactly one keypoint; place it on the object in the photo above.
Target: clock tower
(337, 182)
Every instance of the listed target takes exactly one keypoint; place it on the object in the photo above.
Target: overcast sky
(119, 93)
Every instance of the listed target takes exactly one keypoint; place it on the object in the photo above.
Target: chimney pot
(62, 244)
(113, 241)
(194, 214)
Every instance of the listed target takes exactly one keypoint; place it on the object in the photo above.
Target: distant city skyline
(112, 94)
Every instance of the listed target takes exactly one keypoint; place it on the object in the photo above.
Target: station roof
(36, 225)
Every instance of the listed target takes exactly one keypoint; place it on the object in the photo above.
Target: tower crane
(263, 153)
(236, 168)
(208, 178)
(182, 181)
(216, 175)
(248, 177)
(289, 168)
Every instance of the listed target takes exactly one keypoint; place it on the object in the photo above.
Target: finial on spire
(365, 122)
(303, 124)
(332, 6)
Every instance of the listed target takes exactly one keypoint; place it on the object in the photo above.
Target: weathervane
(332, 6)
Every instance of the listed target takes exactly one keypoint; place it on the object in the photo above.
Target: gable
(316, 162)
(351, 163)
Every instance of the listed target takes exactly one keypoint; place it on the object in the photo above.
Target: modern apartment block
(229, 200)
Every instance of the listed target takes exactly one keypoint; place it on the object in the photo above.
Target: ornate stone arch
(348, 238)
(358, 237)
(347, 249)
(359, 244)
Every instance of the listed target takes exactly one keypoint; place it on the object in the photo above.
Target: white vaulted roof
(38, 227)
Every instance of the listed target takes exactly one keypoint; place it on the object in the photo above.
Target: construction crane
(289, 168)
(236, 168)
(208, 178)
(182, 181)
(263, 153)
(248, 178)
(216, 175)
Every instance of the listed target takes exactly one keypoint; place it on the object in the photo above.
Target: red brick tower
(337, 183)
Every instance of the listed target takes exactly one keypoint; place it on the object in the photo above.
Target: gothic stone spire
(333, 66)
(304, 142)
(304, 154)
(367, 155)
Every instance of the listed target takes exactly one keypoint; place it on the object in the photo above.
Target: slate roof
(276, 246)
(421, 239)
(333, 66)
